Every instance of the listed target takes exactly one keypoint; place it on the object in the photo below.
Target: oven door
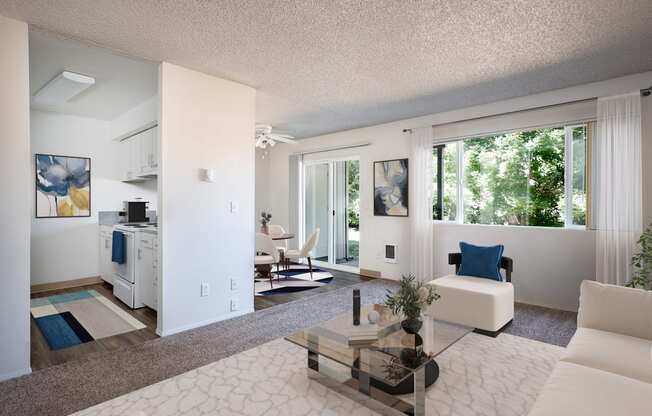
(124, 291)
(127, 270)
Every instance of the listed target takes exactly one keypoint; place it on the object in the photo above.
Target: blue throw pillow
(480, 261)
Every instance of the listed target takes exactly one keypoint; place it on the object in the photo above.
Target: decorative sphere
(373, 317)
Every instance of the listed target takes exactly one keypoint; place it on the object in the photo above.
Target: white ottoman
(484, 304)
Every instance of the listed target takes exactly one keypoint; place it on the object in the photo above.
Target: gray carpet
(543, 324)
(73, 386)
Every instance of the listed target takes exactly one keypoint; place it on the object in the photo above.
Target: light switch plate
(234, 206)
(234, 305)
(234, 283)
(205, 290)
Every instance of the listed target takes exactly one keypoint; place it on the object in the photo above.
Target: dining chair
(277, 230)
(266, 254)
(304, 252)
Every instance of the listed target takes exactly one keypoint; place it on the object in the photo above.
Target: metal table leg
(420, 391)
(313, 361)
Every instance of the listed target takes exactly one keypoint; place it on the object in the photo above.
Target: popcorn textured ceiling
(323, 66)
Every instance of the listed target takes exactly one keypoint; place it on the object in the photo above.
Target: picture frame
(62, 186)
(391, 188)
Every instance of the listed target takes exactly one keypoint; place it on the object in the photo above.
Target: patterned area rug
(479, 376)
(74, 318)
(296, 279)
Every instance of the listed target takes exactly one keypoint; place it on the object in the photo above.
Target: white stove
(126, 276)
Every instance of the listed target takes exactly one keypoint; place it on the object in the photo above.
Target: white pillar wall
(205, 229)
(15, 212)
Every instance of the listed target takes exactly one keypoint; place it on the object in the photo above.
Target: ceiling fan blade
(283, 139)
(284, 136)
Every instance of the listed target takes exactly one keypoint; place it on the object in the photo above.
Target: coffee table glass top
(393, 356)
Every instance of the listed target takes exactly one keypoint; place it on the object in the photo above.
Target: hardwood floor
(43, 357)
(340, 279)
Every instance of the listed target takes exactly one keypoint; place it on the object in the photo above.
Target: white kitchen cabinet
(140, 155)
(149, 151)
(106, 244)
(131, 159)
(147, 269)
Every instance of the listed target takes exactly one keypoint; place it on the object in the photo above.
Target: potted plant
(408, 301)
(642, 262)
(265, 218)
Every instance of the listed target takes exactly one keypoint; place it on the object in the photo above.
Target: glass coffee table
(391, 366)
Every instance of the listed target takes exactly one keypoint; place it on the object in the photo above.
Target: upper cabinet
(140, 156)
(148, 141)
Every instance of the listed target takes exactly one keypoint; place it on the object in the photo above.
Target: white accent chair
(266, 254)
(304, 252)
(484, 304)
(277, 230)
(606, 369)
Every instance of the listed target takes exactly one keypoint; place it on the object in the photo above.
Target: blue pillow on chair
(480, 261)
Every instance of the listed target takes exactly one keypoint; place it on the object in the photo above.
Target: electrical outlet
(205, 290)
(234, 283)
(234, 305)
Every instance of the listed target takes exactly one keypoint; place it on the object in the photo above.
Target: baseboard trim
(66, 284)
(14, 374)
(168, 332)
(370, 273)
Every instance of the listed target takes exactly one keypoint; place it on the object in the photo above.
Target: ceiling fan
(265, 137)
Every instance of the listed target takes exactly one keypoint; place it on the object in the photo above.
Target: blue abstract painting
(391, 188)
(63, 186)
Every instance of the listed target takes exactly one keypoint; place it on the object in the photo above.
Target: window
(445, 185)
(516, 178)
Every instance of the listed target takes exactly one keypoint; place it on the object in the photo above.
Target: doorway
(332, 204)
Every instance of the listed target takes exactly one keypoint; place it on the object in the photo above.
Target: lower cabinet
(147, 269)
(106, 265)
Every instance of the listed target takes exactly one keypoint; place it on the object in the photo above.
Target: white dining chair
(277, 230)
(266, 254)
(304, 252)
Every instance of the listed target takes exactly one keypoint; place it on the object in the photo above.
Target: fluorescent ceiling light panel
(63, 88)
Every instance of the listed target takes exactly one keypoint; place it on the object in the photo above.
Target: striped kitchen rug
(75, 318)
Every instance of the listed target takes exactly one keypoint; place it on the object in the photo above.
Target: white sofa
(607, 367)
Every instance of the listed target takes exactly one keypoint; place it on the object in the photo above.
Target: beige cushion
(264, 260)
(473, 301)
(576, 390)
(616, 309)
(608, 351)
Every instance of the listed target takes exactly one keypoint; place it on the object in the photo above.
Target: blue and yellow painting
(63, 186)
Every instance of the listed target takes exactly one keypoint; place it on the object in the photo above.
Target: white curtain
(421, 223)
(295, 199)
(618, 189)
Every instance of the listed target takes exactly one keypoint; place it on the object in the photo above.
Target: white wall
(554, 283)
(206, 122)
(263, 179)
(15, 207)
(135, 118)
(549, 263)
(68, 248)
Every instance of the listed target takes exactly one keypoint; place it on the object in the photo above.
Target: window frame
(568, 175)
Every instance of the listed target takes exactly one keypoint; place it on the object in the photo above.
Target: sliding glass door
(331, 203)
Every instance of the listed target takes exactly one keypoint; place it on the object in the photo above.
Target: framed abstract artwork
(391, 188)
(63, 186)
